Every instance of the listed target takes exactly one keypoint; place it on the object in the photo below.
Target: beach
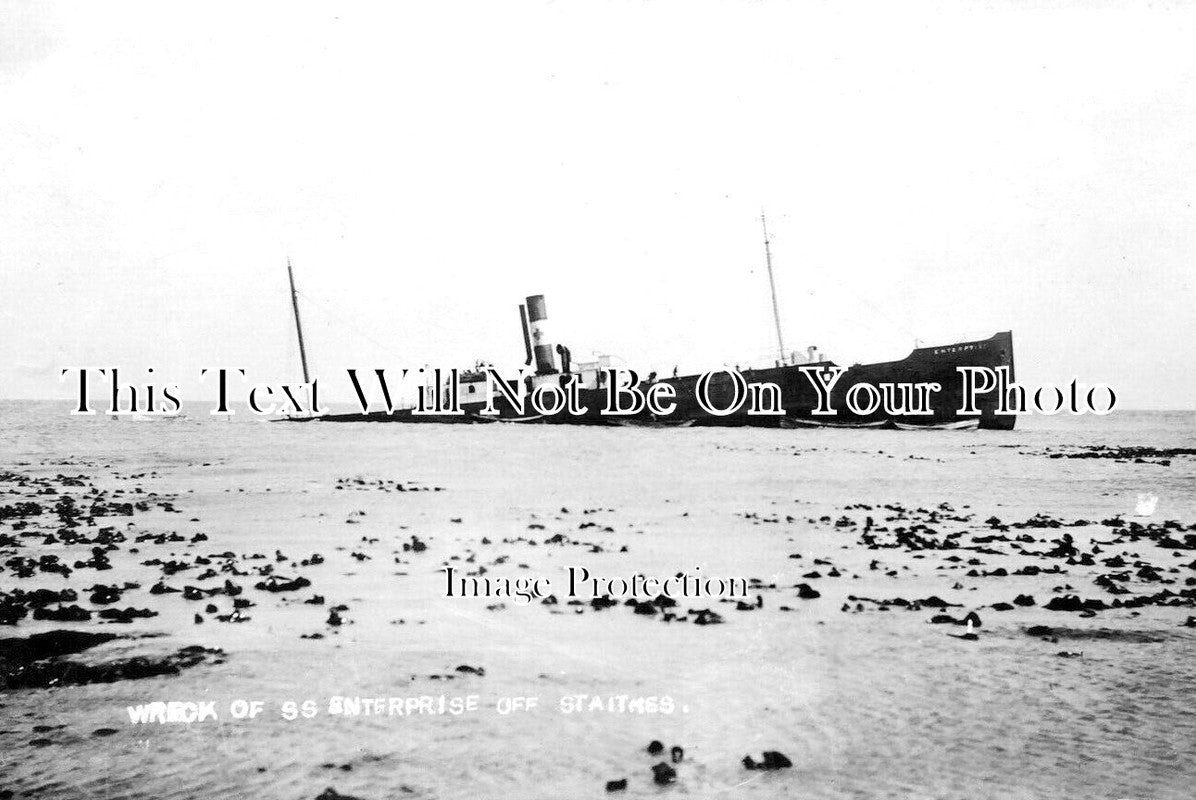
(929, 613)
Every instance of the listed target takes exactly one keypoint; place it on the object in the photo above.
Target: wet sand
(305, 563)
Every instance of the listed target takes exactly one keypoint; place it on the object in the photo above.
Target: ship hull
(797, 395)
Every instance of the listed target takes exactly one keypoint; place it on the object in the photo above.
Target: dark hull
(798, 396)
(923, 365)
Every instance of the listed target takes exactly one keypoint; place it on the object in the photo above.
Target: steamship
(798, 396)
(553, 364)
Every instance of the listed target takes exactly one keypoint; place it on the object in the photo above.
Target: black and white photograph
(614, 399)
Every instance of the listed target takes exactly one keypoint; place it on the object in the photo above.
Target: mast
(772, 285)
(298, 325)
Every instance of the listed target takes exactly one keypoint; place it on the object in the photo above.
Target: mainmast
(772, 285)
(299, 325)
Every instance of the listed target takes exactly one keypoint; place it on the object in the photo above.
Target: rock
(72, 613)
(663, 774)
(934, 601)
(1071, 602)
(333, 794)
(655, 747)
(676, 754)
(105, 594)
(1023, 600)
(616, 786)
(276, 583)
(807, 592)
(645, 608)
(50, 644)
(126, 615)
(772, 760)
(18, 670)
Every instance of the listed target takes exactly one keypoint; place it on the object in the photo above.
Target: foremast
(772, 285)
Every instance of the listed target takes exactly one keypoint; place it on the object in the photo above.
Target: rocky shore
(111, 576)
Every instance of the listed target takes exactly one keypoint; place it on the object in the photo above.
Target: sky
(930, 173)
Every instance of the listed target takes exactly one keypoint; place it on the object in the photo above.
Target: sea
(867, 698)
